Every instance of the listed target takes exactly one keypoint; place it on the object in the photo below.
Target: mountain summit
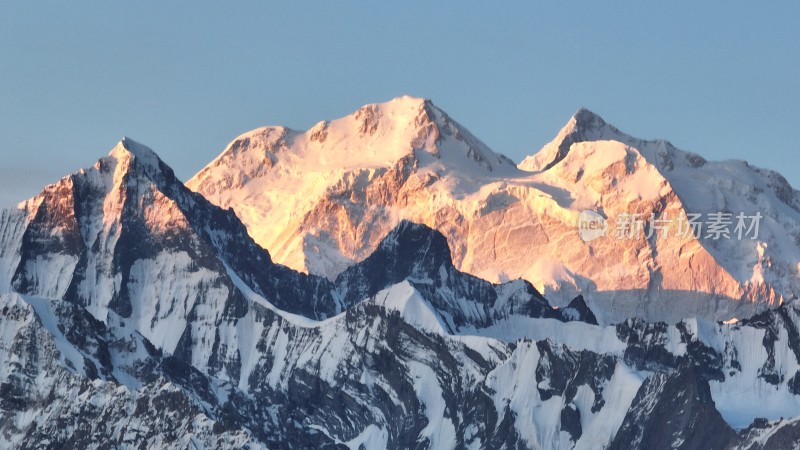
(583, 126)
(282, 182)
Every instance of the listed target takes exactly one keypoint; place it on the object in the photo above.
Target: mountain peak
(130, 155)
(418, 243)
(377, 135)
(128, 147)
(399, 116)
(409, 251)
(587, 120)
(410, 100)
(406, 232)
(584, 125)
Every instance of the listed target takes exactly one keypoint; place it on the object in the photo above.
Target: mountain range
(385, 280)
(323, 199)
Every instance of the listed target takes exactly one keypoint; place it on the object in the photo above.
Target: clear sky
(717, 78)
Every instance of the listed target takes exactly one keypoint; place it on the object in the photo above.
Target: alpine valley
(385, 280)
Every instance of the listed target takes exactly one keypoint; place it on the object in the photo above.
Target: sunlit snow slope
(322, 199)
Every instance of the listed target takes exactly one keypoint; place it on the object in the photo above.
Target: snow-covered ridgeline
(138, 295)
(323, 199)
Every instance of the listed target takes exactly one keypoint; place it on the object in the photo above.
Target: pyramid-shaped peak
(127, 148)
(584, 125)
(138, 154)
(590, 124)
(587, 119)
(416, 244)
(408, 230)
(409, 251)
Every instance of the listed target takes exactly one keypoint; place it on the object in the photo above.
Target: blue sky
(719, 79)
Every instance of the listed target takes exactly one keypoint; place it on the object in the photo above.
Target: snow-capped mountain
(136, 314)
(323, 199)
(313, 198)
(606, 170)
(125, 263)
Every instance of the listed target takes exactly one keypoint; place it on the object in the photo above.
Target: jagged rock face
(323, 199)
(59, 388)
(367, 377)
(139, 280)
(135, 314)
(420, 257)
(685, 399)
(125, 239)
